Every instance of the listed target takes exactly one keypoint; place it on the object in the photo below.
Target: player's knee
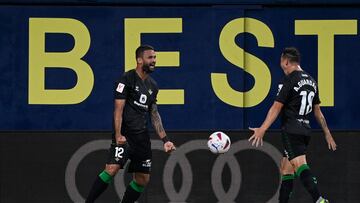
(286, 171)
(298, 161)
(112, 169)
(142, 179)
(286, 167)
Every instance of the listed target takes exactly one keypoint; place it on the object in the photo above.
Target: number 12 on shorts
(119, 151)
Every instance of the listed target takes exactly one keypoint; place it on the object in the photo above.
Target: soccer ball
(219, 143)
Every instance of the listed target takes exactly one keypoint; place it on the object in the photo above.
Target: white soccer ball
(219, 143)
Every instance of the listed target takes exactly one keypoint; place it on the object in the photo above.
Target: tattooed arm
(159, 129)
(322, 122)
(156, 122)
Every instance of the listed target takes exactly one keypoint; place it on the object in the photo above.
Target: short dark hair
(292, 54)
(140, 50)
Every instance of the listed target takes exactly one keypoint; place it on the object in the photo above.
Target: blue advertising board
(217, 67)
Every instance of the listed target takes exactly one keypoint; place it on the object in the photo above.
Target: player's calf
(116, 160)
(133, 192)
(309, 181)
(142, 178)
(287, 182)
(136, 187)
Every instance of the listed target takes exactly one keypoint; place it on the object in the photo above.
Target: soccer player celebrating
(297, 96)
(135, 100)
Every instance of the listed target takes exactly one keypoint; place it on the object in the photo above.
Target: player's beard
(147, 69)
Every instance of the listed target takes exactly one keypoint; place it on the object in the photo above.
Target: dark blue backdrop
(200, 55)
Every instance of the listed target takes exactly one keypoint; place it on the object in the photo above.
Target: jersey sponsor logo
(304, 121)
(142, 101)
(141, 105)
(120, 88)
(143, 98)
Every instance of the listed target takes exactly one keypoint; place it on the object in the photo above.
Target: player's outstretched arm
(159, 129)
(322, 122)
(257, 137)
(118, 112)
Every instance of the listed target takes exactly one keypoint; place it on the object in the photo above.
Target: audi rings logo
(179, 158)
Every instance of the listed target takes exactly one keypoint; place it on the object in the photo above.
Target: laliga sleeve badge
(120, 87)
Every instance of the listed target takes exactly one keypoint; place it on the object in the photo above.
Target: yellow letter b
(39, 60)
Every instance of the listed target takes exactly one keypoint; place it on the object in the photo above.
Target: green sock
(309, 181)
(106, 177)
(288, 177)
(99, 186)
(136, 187)
(132, 193)
(286, 187)
(301, 169)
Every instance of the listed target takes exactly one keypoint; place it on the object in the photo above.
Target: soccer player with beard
(135, 100)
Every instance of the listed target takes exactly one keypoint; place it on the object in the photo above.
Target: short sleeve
(121, 88)
(155, 96)
(155, 89)
(316, 99)
(283, 91)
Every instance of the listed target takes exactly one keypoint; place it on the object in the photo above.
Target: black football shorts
(294, 145)
(137, 150)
